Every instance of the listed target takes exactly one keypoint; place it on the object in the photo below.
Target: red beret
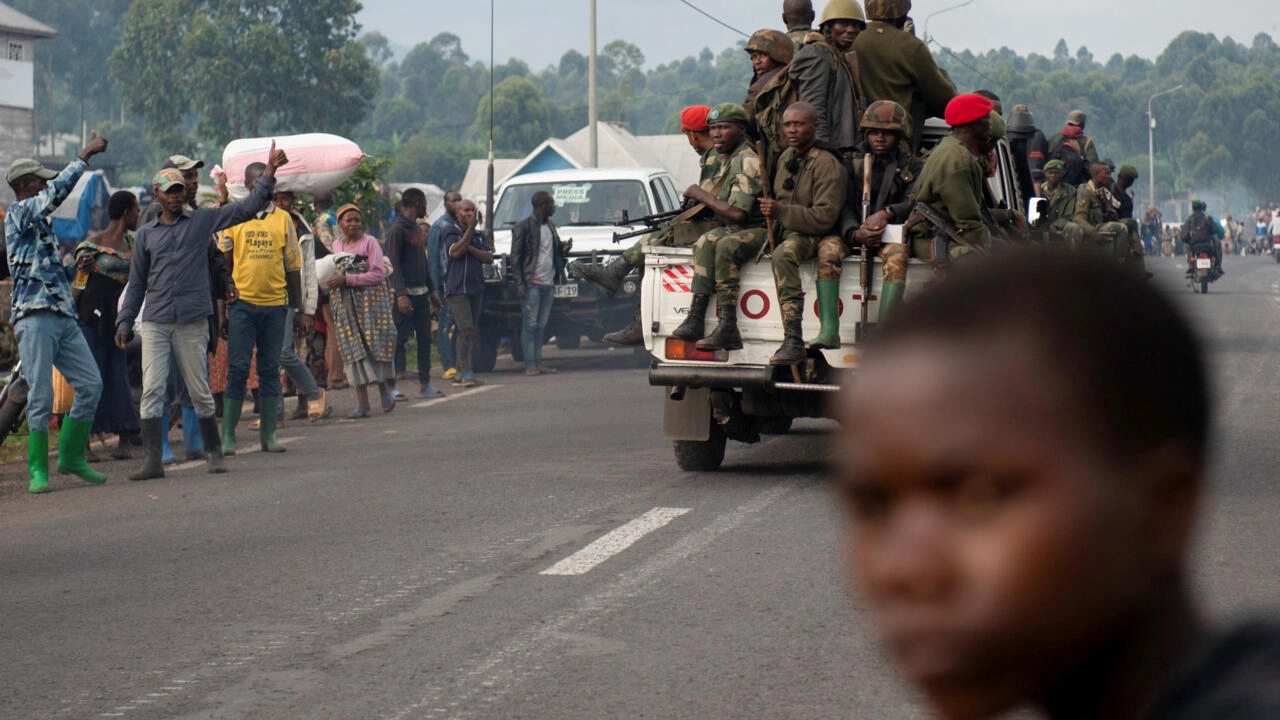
(694, 118)
(964, 109)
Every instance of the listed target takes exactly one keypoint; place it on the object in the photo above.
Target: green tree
(521, 119)
(245, 67)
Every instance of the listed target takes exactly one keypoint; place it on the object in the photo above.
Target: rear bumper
(710, 376)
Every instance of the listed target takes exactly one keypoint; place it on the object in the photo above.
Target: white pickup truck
(737, 395)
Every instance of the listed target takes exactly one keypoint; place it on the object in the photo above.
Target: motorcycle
(13, 403)
(1203, 273)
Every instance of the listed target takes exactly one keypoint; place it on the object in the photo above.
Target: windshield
(597, 202)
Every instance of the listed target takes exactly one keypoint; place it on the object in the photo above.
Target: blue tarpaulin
(84, 211)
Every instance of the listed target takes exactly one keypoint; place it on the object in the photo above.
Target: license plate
(1204, 263)
(566, 291)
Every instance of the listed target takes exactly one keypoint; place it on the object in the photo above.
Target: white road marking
(615, 542)
(459, 394)
(239, 452)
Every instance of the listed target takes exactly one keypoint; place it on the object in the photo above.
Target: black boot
(153, 465)
(606, 277)
(725, 336)
(211, 436)
(792, 350)
(630, 336)
(696, 323)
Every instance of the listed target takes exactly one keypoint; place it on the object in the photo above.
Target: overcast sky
(540, 31)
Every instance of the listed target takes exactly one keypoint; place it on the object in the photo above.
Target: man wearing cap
(170, 269)
(1124, 194)
(266, 263)
(1075, 149)
(1062, 204)
(1023, 126)
(45, 318)
(681, 232)
(825, 75)
(1097, 214)
(897, 66)
(769, 93)
(190, 170)
(739, 226)
(808, 194)
(953, 179)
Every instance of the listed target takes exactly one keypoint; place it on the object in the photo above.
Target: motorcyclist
(1202, 234)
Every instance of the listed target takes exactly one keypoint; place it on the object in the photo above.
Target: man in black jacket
(415, 294)
(537, 266)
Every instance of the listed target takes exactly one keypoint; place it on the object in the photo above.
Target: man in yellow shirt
(266, 266)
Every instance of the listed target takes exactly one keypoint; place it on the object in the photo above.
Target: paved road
(398, 567)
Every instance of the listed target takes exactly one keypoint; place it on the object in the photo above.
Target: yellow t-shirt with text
(262, 251)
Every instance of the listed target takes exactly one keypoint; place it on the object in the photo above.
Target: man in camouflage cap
(1124, 195)
(825, 75)
(682, 232)
(769, 93)
(738, 232)
(898, 66)
(1097, 215)
(809, 192)
(1062, 205)
(894, 174)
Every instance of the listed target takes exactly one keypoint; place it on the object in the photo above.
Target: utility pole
(488, 185)
(593, 139)
(1151, 144)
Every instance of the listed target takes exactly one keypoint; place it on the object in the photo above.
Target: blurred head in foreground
(1021, 501)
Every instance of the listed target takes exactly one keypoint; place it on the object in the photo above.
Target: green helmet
(1198, 205)
(888, 9)
(841, 10)
(773, 43)
(885, 115)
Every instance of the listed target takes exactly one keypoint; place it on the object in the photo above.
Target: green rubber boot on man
(891, 295)
(231, 410)
(38, 461)
(72, 442)
(270, 412)
(829, 315)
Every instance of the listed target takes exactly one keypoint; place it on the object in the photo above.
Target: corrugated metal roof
(14, 21)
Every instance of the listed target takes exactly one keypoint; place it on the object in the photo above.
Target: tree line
(165, 76)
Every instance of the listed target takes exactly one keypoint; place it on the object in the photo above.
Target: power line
(975, 70)
(714, 19)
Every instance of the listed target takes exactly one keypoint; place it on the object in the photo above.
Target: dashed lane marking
(455, 396)
(615, 542)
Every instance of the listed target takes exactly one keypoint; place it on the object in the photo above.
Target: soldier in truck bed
(953, 179)
(897, 66)
(769, 94)
(894, 174)
(825, 75)
(717, 186)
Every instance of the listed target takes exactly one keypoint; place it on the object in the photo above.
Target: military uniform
(893, 189)
(685, 232)
(712, 272)
(798, 34)
(952, 184)
(769, 95)
(897, 66)
(826, 77)
(1062, 208)
(1096, 213)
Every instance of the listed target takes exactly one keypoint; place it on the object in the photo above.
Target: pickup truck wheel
(701, 456)
(569, 342)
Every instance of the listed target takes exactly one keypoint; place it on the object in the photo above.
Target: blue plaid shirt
(39, 279)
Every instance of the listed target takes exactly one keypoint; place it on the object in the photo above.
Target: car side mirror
(1037, 210)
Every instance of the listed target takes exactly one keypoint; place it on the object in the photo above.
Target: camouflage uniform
(896, 197)
(1062, 208)
(810, 190)
(769, 96)
(1096, 213)
(741, 189)
(670, 235)
(952, 183)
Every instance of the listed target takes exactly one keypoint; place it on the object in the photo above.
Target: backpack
(1069, 153)
(1198, 229)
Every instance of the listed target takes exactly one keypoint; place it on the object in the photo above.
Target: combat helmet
(841, 10)
(773, 43)
(885, 115)
(888, 9)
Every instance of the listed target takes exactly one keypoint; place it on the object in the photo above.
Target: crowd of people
(213, 306)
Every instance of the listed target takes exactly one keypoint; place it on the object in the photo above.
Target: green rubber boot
(270, 412)
(891, 295)
(231, 410)
(829, 314)
(38, 461)
(72, 441)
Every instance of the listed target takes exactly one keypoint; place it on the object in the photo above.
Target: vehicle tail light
(1204, 256)
(687, 350)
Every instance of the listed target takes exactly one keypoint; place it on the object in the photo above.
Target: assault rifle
(687, 211)
(943, 227)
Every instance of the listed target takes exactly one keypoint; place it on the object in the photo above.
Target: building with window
(18, 36)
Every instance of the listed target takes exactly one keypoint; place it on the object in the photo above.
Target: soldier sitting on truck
(952, 184)
(1062, 205)
(718, 252)
(680, 233)
(769, 94)
(1097, 215)
(809, 192)
(894, 174)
